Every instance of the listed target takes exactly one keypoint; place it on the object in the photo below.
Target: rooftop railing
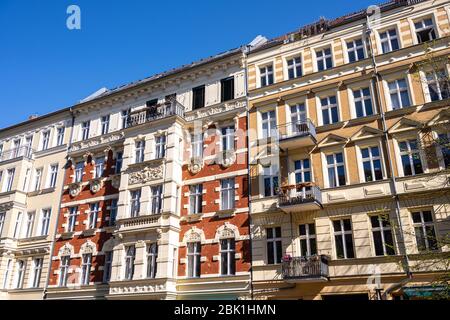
(156, 112)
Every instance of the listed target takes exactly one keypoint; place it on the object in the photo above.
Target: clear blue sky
(45, 67)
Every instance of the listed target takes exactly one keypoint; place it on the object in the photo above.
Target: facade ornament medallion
(228, 158)
(195, 165)
(96, 185)
(75, 189)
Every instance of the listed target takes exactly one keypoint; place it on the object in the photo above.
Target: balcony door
(302, 171)
(298, 119)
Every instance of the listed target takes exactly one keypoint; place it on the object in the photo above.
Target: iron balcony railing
(299, 194)
(25, 152)
(312, 267)
(156, 112)
(296, 129)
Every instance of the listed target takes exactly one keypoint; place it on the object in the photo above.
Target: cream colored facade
(306, 148)
(32, 169)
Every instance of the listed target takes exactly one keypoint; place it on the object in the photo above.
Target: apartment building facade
(348, 182)
(310, 166)
(31, 176)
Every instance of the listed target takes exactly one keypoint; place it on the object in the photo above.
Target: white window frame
(35, 280)
(227, 194)
(273, 241)
(193, 257)
(323, 58)
(129, 265)
(328, 107)
(382, 229)
(294, 66)
(363, 99)
(196, 199)
(388, 39)
(85, 130)
(38, 174)
(60, 136)
(45, 140)
(273, 174)
(397, 92)
(230, 253)
(53, 175)
(30, 224)
(422, 20)
(410, 154)
(21, 266)
(371, 159)
(94, 210)
(343, 233)
(135, 203)
(151, 260)
(2, 222)
(265, 73)
(45, 222)
(271, 124)
(227, 141)
(355, 49)
(156, 199)
(160, 146)
(139, 148)
(197, 145)
(335, 166)
(18, 225)
(7, 274)
(99, 168)
(108, 266)
(86, 264)
(63, 271)
(104, 124)
(10, 179)
(72, 219)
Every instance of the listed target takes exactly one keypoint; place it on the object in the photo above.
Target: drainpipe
(52, 246)
(377, 78)
(245, 51)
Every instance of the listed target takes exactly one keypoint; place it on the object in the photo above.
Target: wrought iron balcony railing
(305, 268)
(299, 194)
(297, 129)
(25, 152)
(156, 112)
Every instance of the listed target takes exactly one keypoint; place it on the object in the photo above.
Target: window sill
(67, 235)
(89, 232)
(226, 213)
(400, 112)
(192, 217)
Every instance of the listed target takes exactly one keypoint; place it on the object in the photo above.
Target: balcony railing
(305, 268)
(25, 152)
(156, 112)
(299, 194)
(297, 129)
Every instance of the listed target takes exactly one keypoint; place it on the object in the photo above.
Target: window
(355, 50)
(382, 235)
(294, 67)
(425, 30)
(119, 162)
(330, 113)
(79, 172)
(20, 274)
(302, 171)
(444, 146)
(228, 138)
(113, 212)
(195, 199)
(152, 256)
(37, 179)
(28, 146)
(10, 179)
(424, 230)
(45, 139)
(129, 262)
(266, 75)
(53, 175)
(198, 97)
(25, 180)
(71, 219)
(160, 151)
(86, 269)
(227, 89)
(124, 115)
(99, 167)
(298, 118)
(36, 273)
(93, 215)
(194, 259)
(389, 41)
(2, 222)
(18, 225)
(60, 136)
(135, 206)
(336, 170)
(363, 102)
(398, 91)
(274, 247)
(410, 155)
(270, 176)
(269, 124)
(324, 59)
(45, 221)
(371, 160)
(308, 244)
(108, 266)
(343, 238)
(227, 257)
(438, 85)
(7, 273)
(105, 124)
(156, 199)
(197, 145)
(227, 194)
(140, 148)
(64, 271)
(29, 224)
(85, 127)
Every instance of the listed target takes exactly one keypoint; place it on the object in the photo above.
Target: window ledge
(226, 213)
(400, 112)
(361, 120)
(67, 235)
(192, 217)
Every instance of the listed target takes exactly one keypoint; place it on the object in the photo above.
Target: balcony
(305, 269)
(137, 224)
(156, 112)
(297, 135)
(21, 152)
(300, 197)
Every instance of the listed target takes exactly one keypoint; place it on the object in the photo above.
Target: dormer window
(425, 30)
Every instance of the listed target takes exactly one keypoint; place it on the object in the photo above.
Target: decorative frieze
(97, 141)
(149, 171)
(219, 109)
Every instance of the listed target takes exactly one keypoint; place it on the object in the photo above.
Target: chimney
(32, 117)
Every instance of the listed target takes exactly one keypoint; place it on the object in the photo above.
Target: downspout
(52, 246)
(245, 51)
(377, 78)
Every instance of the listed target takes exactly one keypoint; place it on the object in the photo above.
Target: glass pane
(378, 243)
(427, 217)
(339, 247)
(389, 243)
(349, 246)
(302, 229)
